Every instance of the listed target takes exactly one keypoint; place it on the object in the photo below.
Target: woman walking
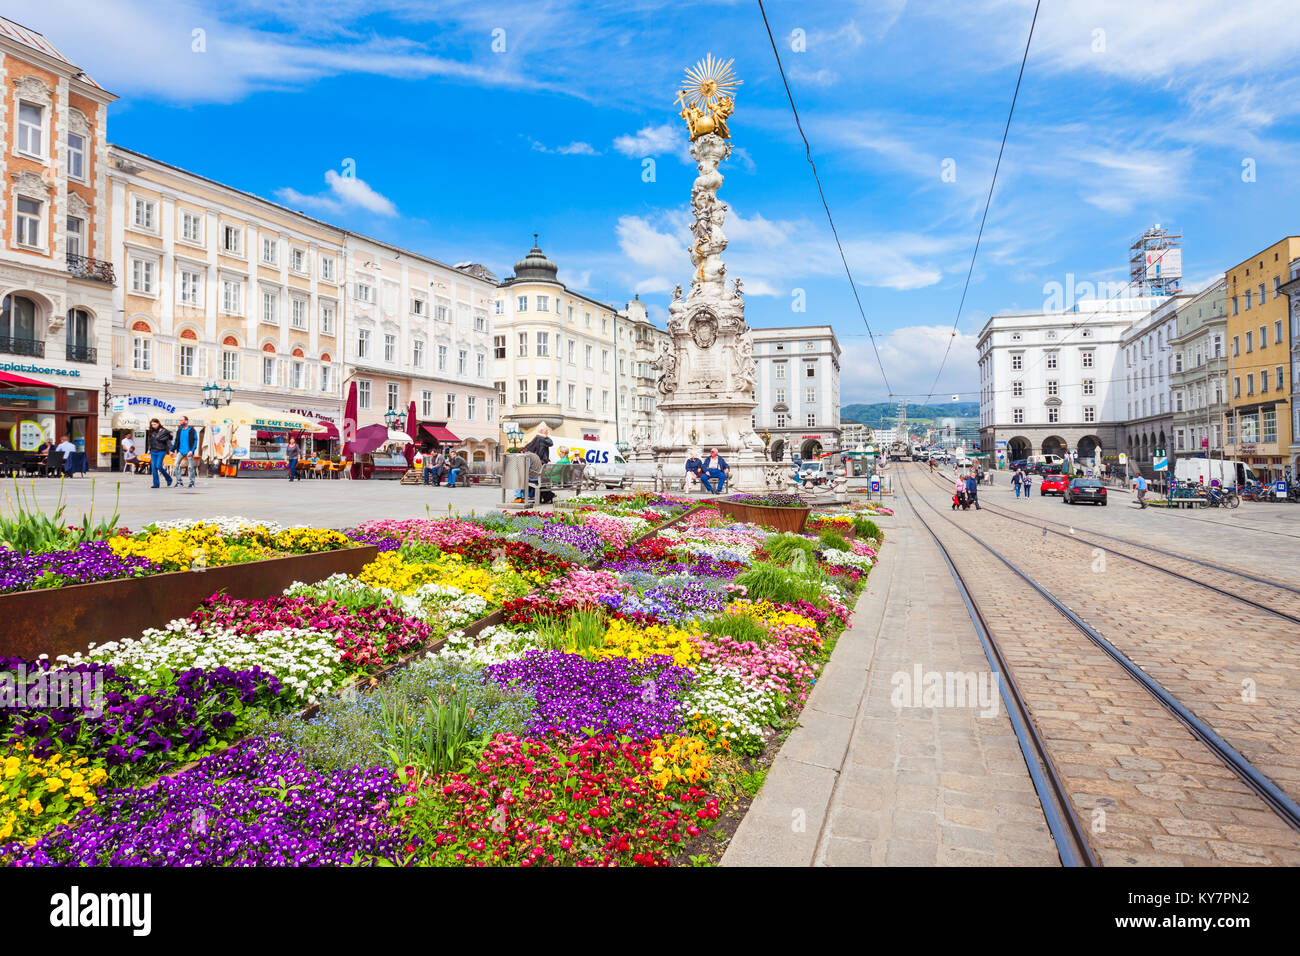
(158, 441)
(291, 453)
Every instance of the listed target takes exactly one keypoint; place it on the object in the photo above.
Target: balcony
(82, 353)
(34, 348)
(84, 267)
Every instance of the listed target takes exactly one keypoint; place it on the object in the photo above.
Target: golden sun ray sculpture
(707, 98)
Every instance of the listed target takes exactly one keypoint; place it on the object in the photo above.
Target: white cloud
(911, 358)
(652, 140)
(343, 193)
(576, 148)
(822, 77)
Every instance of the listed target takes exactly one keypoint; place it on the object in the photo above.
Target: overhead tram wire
(834, 232)
(987, 202)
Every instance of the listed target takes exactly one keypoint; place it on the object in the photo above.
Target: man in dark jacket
(694, 466)
(539, 446)
(972, 489)
(716, 470)
(157, 442)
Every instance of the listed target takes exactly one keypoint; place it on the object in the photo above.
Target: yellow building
(1259, 359)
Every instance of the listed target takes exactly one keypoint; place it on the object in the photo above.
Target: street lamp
(390, 417)
(215, 395)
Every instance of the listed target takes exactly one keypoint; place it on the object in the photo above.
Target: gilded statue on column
(708, 98)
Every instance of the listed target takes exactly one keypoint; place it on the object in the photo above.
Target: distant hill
(884, 414)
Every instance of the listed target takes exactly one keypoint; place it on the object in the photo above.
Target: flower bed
(779, 511)
(611, 717)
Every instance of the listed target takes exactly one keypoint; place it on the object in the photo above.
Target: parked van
(603, 460)
(1227, 472)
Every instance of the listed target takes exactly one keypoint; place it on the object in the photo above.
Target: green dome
(535, 265)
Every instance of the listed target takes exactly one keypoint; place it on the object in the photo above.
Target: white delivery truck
(1229, 474)
(603, 460)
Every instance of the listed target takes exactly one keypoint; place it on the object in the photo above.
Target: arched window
(78, 328)
(18, 327)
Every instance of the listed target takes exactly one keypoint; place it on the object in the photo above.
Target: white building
(418, 330)
(798, 390)
(1052, 383)
(638, 344)
(1148, 361)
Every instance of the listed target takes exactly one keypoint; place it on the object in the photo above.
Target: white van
(1227, 472)
(604, 462)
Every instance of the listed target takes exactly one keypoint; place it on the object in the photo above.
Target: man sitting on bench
(714, 472)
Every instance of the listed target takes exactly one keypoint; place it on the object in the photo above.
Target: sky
(460, 128)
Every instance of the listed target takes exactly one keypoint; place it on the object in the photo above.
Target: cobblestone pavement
(1166, 799)
(863, 782)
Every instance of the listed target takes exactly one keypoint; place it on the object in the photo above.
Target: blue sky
(1130, 114)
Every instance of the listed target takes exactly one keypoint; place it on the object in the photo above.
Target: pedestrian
(1015, 481)
(157, 442)
(972, 490)
(1140, 487)
(186, 447)
(959, 492)
(434, 462)
(540, 445)
(716, 470)
(291, 454)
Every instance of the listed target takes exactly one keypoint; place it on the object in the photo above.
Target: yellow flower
(54, 784)
(36, 807)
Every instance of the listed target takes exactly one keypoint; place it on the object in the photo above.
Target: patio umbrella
(368, 439)
(412, 429)
(350, 429)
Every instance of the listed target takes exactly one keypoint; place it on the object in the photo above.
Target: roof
(37, 41)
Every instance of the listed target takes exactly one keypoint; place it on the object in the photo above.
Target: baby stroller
(961, 499)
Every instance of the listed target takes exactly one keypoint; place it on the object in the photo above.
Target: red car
(1053, 485)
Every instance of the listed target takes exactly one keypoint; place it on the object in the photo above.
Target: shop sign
(132, 400)
(21, 367)
(26, 435)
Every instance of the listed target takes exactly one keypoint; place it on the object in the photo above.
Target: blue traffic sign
(1280, 487)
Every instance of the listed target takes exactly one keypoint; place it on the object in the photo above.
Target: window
(780, 346)
(31, 129)
(1248, 295)
(523, 391)
(1053, 388)
(1017, 389)
(499, 307)
(1236, 345)
(604, 360)
(327, 268)
(363, 343)
(810, 396)
(1250, 342)
(298, 368)
(573, 347)
(390, 347)
(392, 396)
(417, 353)
(586, 354)
(298, 261)
(142, 273)
(417, 306)
(324, 378)
(363, 393)
(270, 251)
(812, 419)
(462, 362)
(441, 313)
(1179, 443)
(1281, 380)
(141, 354)
(499, 346)
(1178, 361)
(1277, 332)
(442, 358)
(604, 400)
(232, 297)
(1089, 386)
(191, 287)
(1016, 336)
(1089, 413)
(1263, 337)
(1277, 286)
(1270, 426)
(543, 391)
(268, 370)
(1236, 386)
(1051, 360)
(523, 345)
(426, 403)
(780, 371)
(232, 240)
(1017, 361)
(573, 396)
(1235, 310)
(229, 366)
(326, 319)
(1053, 414)
(543, 338)
(480, 363)
(76, 157)
(1263, 382)
(298, 313)
(28, 221)
(1087, 333)
(480, 322)
(365, 292)
(1051, 336)
(521, 303)
(1086, 358)
(543, 303)
(589, 392)
(1261, 294)
(490, 409)
(471, 407)
(269, 301)
(191, 226)
(1250, 384)
(810, 370)
(1017, 416)
(1178, 401)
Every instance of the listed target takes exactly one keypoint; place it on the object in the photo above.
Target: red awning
(331, 431)
(9, 378)
(440, 432)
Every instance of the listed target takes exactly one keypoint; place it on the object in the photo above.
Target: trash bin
(514, 475)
